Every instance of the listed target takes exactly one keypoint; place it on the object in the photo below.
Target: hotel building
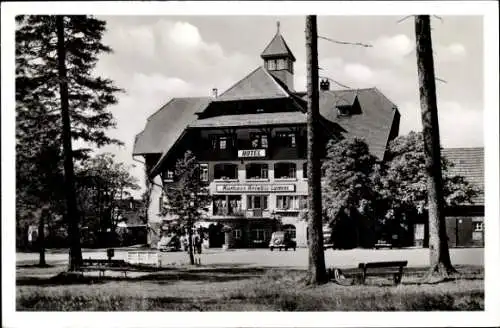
(251, 144)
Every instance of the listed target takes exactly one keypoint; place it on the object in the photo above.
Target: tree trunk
(316, 265)
(75, 251)
(190, 243)
(440, 263)
(41, 237)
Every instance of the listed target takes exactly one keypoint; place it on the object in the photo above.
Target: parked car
(169, 244)
(327, 237)
(280, 239)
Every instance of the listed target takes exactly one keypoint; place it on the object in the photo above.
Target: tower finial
(278, 27)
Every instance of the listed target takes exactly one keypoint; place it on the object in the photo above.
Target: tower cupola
(279, 59)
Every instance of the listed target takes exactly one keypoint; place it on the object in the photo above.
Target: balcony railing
(231, 211)
(257, 213)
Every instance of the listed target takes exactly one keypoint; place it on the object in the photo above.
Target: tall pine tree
(38, 104)
(440, 260)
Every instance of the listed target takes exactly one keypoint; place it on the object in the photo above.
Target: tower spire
(278, 27)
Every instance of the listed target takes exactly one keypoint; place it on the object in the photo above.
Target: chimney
(214, 92)
(324, 85)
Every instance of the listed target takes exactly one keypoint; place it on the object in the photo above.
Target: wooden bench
(110, 263)
(393, 267)
(102, 265)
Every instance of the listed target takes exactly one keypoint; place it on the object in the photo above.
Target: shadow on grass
(34, 266)
(161, 276)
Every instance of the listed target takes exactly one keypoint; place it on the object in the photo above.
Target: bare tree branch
(404, 18)
(441, 80)
(438, 17)
(345, 42)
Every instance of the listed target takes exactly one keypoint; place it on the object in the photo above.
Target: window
(204, 172)
(287, 202)
(169, 175)
(237, 233)
(343, 110)
(290, 230)
(257, 171)
(284, 171)
(271, 64)
(302, 202)
(258, 140)
(227, 204)
(256, 202)
(260, 234)
(222, 142)
(304, 170)
(282, 64)
(225, 171)
(478, 226)
(286, 139)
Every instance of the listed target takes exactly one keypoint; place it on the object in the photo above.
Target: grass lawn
(241, 288)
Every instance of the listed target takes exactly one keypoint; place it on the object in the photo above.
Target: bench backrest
(102, 261)
(143, 257)
(383, 264)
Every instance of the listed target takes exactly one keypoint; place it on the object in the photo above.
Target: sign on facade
(144, 257)
(252, 153)
(254, 188)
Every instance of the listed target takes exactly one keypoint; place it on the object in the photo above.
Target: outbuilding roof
(469, 163)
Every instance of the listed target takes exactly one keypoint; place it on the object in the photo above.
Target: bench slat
(383, 264)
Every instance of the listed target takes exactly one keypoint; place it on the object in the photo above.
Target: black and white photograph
(242, 157)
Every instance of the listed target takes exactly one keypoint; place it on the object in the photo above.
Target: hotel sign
(252, 153)
(230, 187)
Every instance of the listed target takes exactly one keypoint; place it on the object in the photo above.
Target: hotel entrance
(215, 235)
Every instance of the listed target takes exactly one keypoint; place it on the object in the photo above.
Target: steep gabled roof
(165, 126)
(469, 163)
(259, 84)
(277, 48)
(373, 124)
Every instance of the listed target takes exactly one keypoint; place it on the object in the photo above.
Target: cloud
(147, 84)
(136, 41)
(459, 126)
(392, 48)
(185, 34)
(451, 53)
(359, 72)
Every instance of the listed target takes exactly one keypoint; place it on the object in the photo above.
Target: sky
(157, 58)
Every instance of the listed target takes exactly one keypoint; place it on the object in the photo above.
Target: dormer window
(343, 111)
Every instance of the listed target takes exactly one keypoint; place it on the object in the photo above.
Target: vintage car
(280, 239)
(327, 237)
